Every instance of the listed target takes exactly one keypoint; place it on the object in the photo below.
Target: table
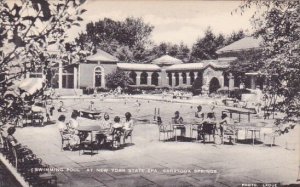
(89, 129)
(87, 113)
(253, 134)
(239, 111)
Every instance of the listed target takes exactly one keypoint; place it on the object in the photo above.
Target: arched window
(98, 77)
(154, 78)
(132, 75)
(144, 77)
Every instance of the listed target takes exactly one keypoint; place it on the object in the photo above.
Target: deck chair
(64, 139)
(165, 129)
(208, 129)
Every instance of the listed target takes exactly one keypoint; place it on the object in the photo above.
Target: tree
(27, 28)
(180, 51)
(132, 35)
(205, 48)
(117, 78)
(278, 23)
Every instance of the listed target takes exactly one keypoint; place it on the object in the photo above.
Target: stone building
(165, 71)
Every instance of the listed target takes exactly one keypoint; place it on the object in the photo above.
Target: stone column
(221, 79)
(180, 79)
(149, 78)
(60, 72)
(188, 78)
(138, 78)
(253, 82)
(195, 75)
(75, 77)
(173, 79)
(231, 80)
(159, 79)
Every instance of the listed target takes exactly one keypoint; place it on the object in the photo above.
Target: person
(92, 107)
(226, 126)
(11, 140)
(128, 125)
(177, 119)
(210, 119)
(61, 107)
(115, 132)
(74, 134)
(106, 122)
(62, 126)
(199, 113)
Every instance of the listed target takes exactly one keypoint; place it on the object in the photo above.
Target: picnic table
(93, 129)
(239, 111)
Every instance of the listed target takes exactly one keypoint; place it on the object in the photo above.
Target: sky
(173, 21)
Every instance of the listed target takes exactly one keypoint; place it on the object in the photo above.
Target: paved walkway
(148, 162)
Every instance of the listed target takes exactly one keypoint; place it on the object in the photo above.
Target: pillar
(75, 74)
(253, 82)
(195, 75)
(188, 78)
(159, 79)
(221, 79)
(138, 78)
(173, 79)
(60, 72)
(149, 80)
(231, 80)
(180, 79)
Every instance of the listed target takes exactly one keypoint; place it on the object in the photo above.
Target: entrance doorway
(214, 85)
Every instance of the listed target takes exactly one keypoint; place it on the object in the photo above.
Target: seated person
(73, 126)
(116, 132)
(128, 125)
(177, 119)
(210, 119)
(105, 123)
(61, 108)
(62, 126)
(226, 124)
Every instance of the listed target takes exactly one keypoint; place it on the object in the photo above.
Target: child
(128, 126)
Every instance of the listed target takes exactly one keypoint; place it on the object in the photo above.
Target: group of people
(226, 124)
(111, 130)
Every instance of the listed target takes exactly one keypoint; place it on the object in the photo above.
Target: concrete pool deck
(148, 162)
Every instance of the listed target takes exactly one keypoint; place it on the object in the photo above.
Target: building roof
(102, 56)
(219, 63)
(166, 60)
(138, 67)
(242, 44)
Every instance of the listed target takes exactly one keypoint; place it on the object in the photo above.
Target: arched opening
(170, 78)
(176, 79)
(98, 77)
(132, 76)
(214, 85)
(192, 77)
(144, 77)
(154, 78)
(184, 78)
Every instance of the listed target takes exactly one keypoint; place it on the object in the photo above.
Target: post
(173, 79)
(180, 79)
(138, 78)
(75, 77)
(149, 78)
(60, 71)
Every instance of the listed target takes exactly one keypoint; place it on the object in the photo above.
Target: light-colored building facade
(165, 71)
